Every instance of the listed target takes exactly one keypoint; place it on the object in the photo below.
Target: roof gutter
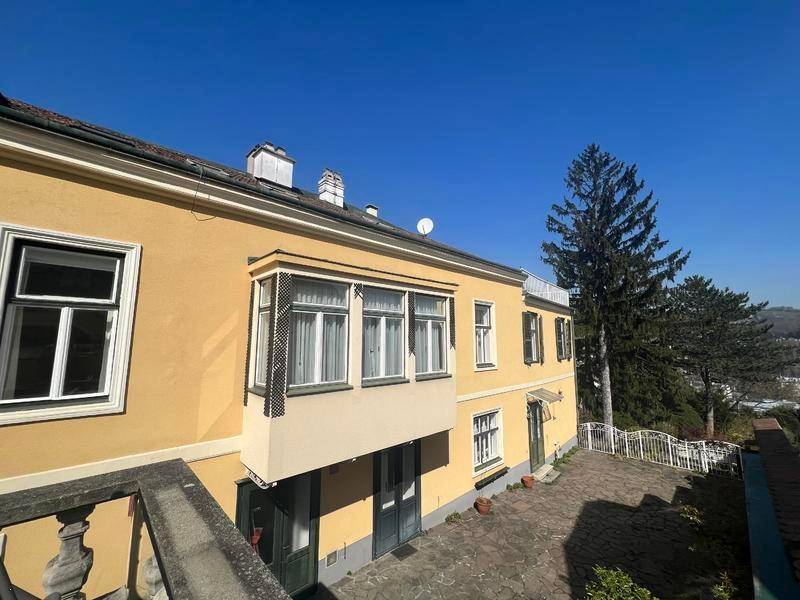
(85, 136)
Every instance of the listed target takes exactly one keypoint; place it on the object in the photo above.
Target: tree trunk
(709, 418)
(709, 398)
(605, 378)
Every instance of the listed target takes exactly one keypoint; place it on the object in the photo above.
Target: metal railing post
(641, 450)
(703, 458)
(669, 448)
(589, 436)
(613, 430)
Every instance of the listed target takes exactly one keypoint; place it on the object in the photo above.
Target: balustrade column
(66, 573)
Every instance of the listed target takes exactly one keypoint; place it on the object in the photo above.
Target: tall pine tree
(719, 339)
(609, 249)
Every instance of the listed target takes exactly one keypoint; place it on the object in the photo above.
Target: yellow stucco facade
(186, 379)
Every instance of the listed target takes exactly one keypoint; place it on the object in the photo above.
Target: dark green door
(397, 498)
(535, 435)
(281, 525)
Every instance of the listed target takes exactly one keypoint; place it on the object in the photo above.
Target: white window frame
(492, 339)
(320, 310)
(383, 315)
(113, 401)
(260, 307)
(497, 461)
(429, 336)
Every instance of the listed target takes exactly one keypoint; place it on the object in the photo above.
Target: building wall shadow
(658, 547)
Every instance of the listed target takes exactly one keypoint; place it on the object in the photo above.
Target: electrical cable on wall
(194, 200)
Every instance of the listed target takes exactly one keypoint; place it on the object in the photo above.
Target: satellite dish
(425, 226)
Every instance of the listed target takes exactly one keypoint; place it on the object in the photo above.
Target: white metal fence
(705, 456)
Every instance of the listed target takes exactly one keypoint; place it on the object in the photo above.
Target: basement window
(66, 324)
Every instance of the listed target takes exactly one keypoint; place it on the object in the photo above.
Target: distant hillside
(785, 321)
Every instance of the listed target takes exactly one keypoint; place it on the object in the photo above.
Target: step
(551, 476)
(542, 472)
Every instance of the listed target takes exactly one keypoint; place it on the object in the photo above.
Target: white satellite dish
(425, 226)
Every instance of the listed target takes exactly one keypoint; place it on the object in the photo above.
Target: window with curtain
(430, 334)
(483, 335)
(530, 337)
(382, 341)
(486, 440)
(60, 325)
(318, 332)
(263, 320)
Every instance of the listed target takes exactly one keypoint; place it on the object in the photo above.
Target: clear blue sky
(468, 113)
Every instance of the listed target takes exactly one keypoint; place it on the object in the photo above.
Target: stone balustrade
(212, 561)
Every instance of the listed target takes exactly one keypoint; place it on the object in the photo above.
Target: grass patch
(514, 486)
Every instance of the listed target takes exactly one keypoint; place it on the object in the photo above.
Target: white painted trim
(117, 383)
(189, 453)
(492, 365)
(512, 388)
(39, 147)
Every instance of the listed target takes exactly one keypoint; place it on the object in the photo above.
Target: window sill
(258, 390)
(318, 389)
(497, 462)
(431, 376)
(11, 414)
(486, 367)
(384, 381)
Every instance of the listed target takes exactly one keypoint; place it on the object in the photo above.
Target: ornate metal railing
(199, 553)
(704, 456)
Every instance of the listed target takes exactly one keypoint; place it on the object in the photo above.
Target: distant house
(336, 382)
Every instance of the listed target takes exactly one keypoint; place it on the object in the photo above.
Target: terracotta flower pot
(527, 481)
(483, 505)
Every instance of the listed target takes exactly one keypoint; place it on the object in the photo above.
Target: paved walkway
(543, 543)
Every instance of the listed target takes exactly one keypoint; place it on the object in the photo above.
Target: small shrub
(615, 584)
(454, 518)
(510, 487)
(724, 590)
(692, 514)
(566, 457)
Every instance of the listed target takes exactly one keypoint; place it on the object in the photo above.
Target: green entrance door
(396, 498)
(535, 435)
(281, 524)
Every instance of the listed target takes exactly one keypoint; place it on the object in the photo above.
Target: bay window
(486, 442)
(318, 332)
(66, 322)
(262, 330)
(382, 342)
(484, 341)
(430, 332)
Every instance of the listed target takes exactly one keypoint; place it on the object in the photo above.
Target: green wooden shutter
(568, 338)
(527, 340)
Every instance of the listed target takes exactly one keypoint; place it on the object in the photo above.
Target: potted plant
(483, 505)
(527, 481)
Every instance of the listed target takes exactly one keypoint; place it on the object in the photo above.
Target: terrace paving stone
(543, 543)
